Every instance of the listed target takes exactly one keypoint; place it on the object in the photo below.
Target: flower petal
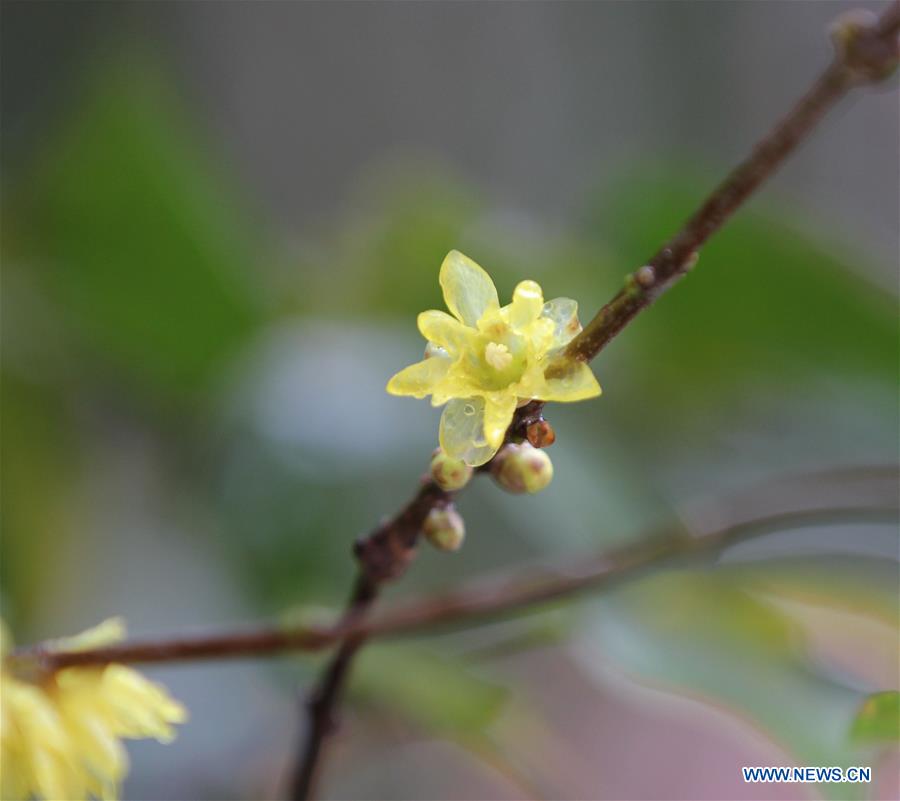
(462, 431)
(568, 381)
(419, 379)
(468, 290)
(498, 414)
(564, 314)
(444, 330)
(109, 631)
(527, 304)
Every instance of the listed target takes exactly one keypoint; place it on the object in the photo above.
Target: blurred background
(218, 223)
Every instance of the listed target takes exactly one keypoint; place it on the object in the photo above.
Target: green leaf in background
(702, 635)
(35, 494)
(436, 691)
(878, 719)
(764, 304)
(134, 236)
(408, 220)
(384, 258)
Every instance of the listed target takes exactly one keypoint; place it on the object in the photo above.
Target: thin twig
(864, 54)
(494, 595)
(383, 556)
(866, 51)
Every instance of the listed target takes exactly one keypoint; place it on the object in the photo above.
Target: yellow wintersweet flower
(60, 733)
(486, 360)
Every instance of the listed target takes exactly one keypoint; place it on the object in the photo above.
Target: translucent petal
(564, 314)
(462, 431)
(527, 304)
(419, 379)
(498, 414)
(439, 398)
(444, 330)
(540, 337)
(568, 381)
(468, 290)
(434, 351)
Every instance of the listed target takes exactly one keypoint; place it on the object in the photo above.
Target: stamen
(497, 355)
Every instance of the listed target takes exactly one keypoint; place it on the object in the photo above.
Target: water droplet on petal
(469, 409)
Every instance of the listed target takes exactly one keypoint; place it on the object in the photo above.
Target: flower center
(497, 355)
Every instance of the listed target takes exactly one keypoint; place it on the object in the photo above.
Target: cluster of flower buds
(518, 468)
(522, 468)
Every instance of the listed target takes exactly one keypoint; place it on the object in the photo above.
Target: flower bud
(522, 468)
(444, 529)
(449, 473)
(540, 434)
(864, 52)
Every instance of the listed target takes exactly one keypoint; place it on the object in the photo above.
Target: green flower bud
(444, 529)
(522, 468)
(449, 473)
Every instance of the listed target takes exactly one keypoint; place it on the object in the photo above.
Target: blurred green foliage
(130, 232)
(137, 286)
(766, 304)
(437, 692)
(878, 718)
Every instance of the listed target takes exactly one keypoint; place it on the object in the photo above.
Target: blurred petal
(498, 414)
(569, 381)
(419, 379)
(564, 314)
(468, 290)
(462, 431)
(527, 304)
(109, 631)
(60, 739)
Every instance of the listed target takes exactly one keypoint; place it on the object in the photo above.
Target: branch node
(646, 276)
(865, 46)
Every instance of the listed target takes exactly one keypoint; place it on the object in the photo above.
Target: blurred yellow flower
(60, 734)
(486, 360)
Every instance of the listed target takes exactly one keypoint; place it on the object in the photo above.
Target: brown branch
(326, 696)
(866, 51)
(494, 595)
(383, 556)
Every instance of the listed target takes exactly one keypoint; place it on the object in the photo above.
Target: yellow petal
(568, 381)
(498, 414)
(564, 314)
(444, 330)
(97, 745)
(109, 631)
(136, 707)
(419, 379)
(468, 290)
(462, 431)
(527, 304)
